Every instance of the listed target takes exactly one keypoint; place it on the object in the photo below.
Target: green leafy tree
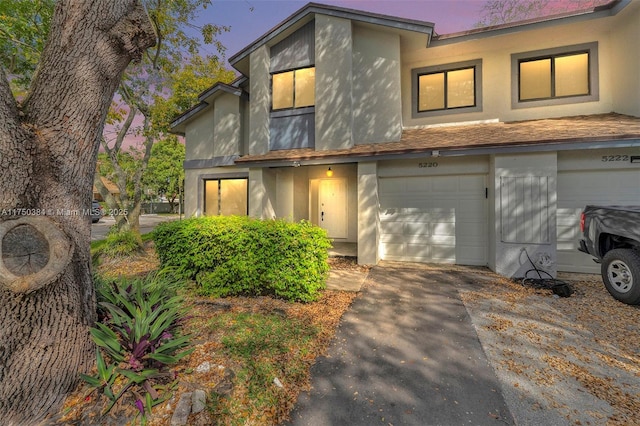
(24, 25)
(165, 82)
(129, 163)
(49, 141)
(154, 91)
(165, 173)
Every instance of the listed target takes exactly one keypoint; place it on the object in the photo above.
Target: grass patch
(273, 352)
(248, 342)
(97, 245)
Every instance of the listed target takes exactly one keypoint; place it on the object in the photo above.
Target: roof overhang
(555, 134)
(610, 9)
(205, 99)
(240, 60)
(408, 155)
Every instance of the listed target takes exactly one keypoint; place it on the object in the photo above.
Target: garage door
(579, 188)
(439, 219)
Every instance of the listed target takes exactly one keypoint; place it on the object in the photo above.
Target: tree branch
(16, 147)
(148, 144)
(133, 101)
(120, 31)
(8, 107)
(18, 41)
(121, 176)
(159, 40)
(125, 129)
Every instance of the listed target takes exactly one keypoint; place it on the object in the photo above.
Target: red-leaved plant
(138, 341)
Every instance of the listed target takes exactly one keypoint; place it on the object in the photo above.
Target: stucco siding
(495, 53)
(260, 105)
(227, 131)
(199, 136)
(525, 204)
(625, 61)
(368, 213)
(334, 77)
(377, 109)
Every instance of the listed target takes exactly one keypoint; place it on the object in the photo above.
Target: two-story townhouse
(474, 148)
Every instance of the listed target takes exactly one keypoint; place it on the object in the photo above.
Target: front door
(332, 207)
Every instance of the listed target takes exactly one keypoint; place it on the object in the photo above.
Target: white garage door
(579, 188)
(439, 219)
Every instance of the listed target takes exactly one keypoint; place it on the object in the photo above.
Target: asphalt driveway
(406, 353)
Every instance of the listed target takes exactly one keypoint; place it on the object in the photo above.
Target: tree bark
(48, 150)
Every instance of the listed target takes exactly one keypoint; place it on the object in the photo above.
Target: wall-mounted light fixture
(329, 172)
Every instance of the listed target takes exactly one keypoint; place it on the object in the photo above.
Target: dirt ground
(83, 408)
(562, 361)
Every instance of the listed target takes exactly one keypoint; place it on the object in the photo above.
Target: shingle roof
(567, 130)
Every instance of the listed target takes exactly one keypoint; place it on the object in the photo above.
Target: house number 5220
(425, 165)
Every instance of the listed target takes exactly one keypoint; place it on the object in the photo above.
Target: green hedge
(235, 255)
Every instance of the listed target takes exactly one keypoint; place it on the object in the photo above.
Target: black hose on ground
(559, 287)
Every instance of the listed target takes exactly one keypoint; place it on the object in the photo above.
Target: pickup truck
(612, 235)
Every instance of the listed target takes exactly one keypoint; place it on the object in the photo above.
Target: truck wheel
(621, 275)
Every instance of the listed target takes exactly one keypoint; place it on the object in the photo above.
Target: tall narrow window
(283, 90)
(225, 197)
(294, 89)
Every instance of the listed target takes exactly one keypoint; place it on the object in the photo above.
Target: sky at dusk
(250, 19)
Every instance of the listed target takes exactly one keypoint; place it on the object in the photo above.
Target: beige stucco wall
(260, 104)
(509, 259)
(368, 213)
(626, 61)
(227, 132)
(334, 76)
(191, 193)
(377, 108)
(262, 193)
(199, 136)
(284, 193)
(496, 52)
(216, 131)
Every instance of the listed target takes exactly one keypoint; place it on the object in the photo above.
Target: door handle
(322, 216)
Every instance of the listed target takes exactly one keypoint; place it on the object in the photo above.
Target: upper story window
(555, 76)
(294, 89)
(447, 89)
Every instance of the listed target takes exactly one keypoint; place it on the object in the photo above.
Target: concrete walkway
(345, 280)
(406, 353)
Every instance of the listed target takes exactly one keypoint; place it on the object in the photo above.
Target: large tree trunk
(48, 149)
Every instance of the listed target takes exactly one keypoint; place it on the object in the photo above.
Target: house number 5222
(609, 158)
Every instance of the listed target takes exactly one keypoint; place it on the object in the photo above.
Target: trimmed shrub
(244, 256)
